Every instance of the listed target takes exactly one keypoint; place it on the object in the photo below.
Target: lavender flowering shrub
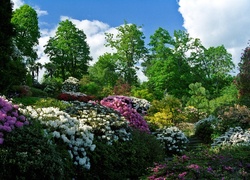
(124, 105)
(10, 118)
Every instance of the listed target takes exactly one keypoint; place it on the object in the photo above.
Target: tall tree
(167, 68)
(243, 78)
(130, 49)
(25, 22)
(104, 71)
(212, 68)
(12, 71)
(68, 51)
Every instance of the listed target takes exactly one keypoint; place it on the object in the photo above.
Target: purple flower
(182, 175)
(193, 166)
(19, 124)
(1, 140)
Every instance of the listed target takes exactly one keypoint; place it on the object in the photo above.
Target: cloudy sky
(215, 22)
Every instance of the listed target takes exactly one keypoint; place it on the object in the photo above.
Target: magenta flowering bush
(227, 163)
(123, 105)
(9, 118)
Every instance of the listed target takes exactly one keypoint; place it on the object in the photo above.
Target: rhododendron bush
(124, 105)
(10, 118)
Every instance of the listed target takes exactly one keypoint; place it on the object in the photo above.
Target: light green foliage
(164, 113)
(198, 97)
(68, 51)
(104, 71)
(167, 68)
(142, 93)
(130, 48)
(25, 20)
(52, 86)
(229, 96)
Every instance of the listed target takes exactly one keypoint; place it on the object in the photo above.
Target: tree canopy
(68, 51)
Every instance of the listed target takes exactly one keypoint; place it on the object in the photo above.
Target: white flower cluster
(140, 105)
(173, 139)
(212, 120)
(70, 85)
(234, 136)
(73, 132)
(107, 124)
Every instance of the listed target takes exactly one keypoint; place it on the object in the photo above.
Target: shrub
(205, 128)
(38, 92)
(123, 105)
(173, 140)
(192, 114)
(65, 130)
(10, 118)
(234, 136)
(71, 85)
(28, 154)
(187, 128)
(107, 124)
(227, 163)
(166, 112)
(234, 116)
(71, 96)
(124, 160)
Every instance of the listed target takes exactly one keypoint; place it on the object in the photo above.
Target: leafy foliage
(243, 78)
(126, 160)
(129, 46)
(68, 51)
(31, 155)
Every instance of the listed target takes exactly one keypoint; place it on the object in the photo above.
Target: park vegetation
(101, 122)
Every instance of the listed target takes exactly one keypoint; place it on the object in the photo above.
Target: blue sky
(147, 13)
(214, 22)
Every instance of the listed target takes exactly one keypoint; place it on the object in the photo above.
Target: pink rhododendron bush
(10, 118)
(124, 105)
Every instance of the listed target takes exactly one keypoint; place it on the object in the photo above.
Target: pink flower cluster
(123, 105)
(9, 118)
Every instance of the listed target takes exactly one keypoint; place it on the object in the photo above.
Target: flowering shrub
(10, 118)
(71, 96)
(123, 105)
(107, 124)
(172, 139)
(234, 116)
(224, 164)
(69, 130)
(193, 115)
(71, 85)
(161, 119)
(234, 136)
(140, 105)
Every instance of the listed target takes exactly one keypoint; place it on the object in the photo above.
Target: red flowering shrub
(75, 97)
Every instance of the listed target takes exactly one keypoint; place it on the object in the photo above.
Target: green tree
(104, 71)
(130, 49)
(211, 67)
(167, 67)
(68, 51)
(12, 71)
(243, 78)
(25, 21)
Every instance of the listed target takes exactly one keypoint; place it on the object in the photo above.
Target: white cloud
(17, 3)
(218, 22)
(40, 12)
